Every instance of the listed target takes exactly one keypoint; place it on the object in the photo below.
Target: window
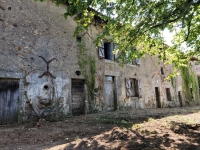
(168, 94)
(109, 51)
(130, 60)
(133, 87)
(106, 50)
(162, 71)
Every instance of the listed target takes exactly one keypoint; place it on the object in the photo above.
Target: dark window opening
(108, 50)
(161, 71)
(168, 94)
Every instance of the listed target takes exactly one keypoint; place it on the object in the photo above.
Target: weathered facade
(40, 70)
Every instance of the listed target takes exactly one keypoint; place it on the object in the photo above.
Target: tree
(140, 24)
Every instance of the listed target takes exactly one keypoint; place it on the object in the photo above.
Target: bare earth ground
(149, 129)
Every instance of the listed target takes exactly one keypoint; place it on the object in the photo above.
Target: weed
(150, 119)
(77, 138)
(147, 132)
(136, 126)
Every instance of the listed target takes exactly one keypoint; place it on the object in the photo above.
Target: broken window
(133, 87)
(168, 94)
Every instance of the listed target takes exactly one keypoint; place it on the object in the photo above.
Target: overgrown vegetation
(141, 24)
(189, 82)
(87, 65)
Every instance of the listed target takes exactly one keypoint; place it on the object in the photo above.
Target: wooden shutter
(128, 87)
(101, 50)
(139, 88)
(115, 46)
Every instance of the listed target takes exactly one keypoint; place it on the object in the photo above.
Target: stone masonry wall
(34, 35)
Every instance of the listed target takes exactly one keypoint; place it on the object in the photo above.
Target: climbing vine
(87, 65)
(188, 82)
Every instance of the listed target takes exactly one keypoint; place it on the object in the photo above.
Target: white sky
(168, 37)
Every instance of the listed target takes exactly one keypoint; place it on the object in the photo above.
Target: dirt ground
(149, 129)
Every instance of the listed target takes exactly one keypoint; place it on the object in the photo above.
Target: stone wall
(37, 47)
(34, 35)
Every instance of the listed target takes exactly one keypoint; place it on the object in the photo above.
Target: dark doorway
(168, 94)
(9, 94)
(78, 97)
(157, 93)
(180, 98)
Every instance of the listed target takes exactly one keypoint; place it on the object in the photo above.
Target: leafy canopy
(140, 24)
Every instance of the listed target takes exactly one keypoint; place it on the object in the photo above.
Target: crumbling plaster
(31, 30)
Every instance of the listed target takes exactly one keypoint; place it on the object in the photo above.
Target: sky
(168, 37)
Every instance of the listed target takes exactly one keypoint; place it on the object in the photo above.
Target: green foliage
(189, 80)
(88, 67)
(140, 24)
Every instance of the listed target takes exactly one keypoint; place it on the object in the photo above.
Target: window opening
(108, 50)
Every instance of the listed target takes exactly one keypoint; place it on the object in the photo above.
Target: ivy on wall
(87, 65)
(189, 81)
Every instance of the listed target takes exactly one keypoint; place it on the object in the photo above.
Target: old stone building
(40, 71)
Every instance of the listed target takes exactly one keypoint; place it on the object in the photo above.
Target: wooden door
(109, 93)
(9, 94)
(78, 97)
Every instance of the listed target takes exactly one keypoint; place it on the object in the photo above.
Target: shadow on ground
(132, 130)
